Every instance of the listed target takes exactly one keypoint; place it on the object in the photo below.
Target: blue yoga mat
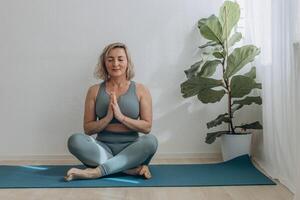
(238, 171)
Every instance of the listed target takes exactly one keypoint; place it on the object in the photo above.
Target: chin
(117, 74)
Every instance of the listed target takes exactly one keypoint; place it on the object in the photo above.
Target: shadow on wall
(64, 114)
(178, 122)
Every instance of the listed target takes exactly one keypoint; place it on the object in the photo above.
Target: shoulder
(93, 90)
(141, 90)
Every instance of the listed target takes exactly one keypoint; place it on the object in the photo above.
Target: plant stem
(230, 125)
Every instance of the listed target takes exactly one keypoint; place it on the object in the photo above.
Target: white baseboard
(70, 157)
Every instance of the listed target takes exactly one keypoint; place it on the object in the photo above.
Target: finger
(111, 98)
(114, 98)
(116, 101)
(113, 106)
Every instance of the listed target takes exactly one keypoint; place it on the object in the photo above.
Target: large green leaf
(209, 44)
(237, 107)
(221, 118)
(229, 16)
(209, 68)
(249, 100)
(211, 96)
(209, 52)
(239, 58)
(195, 85)
(254, 125)
(219, 55)
(193, 69)
(257, 85)
(210, 28)
(251, 73)
(211, 137)
(236, 37)
(241, 86)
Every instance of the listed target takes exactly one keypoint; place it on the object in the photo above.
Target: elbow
(87, 130)
(147, 129)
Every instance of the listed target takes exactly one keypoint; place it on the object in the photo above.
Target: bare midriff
(117, 128)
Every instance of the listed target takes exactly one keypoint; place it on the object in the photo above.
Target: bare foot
(142, 170)
(133, 171)
(88, 173)
(145, 171)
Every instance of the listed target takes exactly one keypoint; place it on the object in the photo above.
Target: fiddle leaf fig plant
(219, 54)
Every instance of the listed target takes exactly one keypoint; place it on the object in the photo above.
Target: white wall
(48, 51)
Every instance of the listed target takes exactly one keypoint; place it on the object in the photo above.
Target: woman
(116, 110)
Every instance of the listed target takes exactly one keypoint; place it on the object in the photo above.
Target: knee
(150, 143)
(74, 141)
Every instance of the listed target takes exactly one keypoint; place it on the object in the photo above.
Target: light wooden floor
(278, 192)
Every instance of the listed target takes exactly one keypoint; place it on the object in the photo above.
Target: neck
(118, 81)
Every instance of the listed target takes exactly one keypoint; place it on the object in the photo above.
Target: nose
(115, 63)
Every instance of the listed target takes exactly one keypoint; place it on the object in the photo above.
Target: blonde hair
(101, 71)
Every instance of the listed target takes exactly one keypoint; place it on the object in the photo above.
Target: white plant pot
(234, 145)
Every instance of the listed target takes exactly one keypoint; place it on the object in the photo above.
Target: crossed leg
(88, 173)
(94, 173)
(115, 164)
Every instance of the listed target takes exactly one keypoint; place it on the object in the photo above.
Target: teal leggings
(112, 157)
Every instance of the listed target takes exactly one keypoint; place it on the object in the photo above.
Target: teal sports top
(128, 103)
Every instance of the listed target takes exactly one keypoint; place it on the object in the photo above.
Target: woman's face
(116, 62)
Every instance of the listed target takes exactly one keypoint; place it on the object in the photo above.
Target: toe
(68, 178)
(147, 175)
(70, 171)
(145, 172)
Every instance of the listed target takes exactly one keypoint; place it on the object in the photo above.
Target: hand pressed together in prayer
(115, 107)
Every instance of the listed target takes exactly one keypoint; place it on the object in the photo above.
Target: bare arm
(90, 124)
(143, 124)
